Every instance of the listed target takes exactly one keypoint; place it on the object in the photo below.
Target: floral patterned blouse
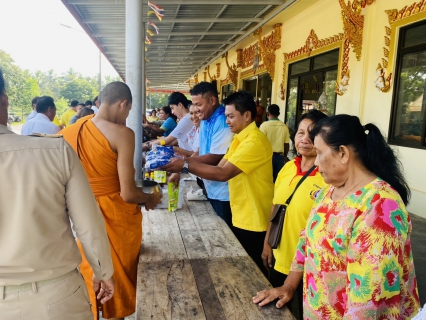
(356, 257)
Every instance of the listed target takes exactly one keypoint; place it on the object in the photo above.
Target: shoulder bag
(277, 220)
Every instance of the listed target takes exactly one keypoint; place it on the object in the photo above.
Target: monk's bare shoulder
(116, 134)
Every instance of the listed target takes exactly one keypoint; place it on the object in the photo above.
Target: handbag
(277, 220)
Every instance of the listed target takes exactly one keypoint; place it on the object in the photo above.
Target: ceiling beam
(180, 2)
(122, 21)
(121, 35)
(176, 43)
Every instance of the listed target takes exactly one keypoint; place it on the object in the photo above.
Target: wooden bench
(191, 266)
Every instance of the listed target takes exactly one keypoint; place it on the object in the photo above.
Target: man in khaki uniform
(43, 185)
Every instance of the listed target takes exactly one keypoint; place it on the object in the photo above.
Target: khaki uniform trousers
(64, 298)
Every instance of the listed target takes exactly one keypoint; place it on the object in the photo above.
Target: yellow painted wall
(362, 98)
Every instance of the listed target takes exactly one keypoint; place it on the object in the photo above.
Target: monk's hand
(153, 200)
(267, 256)
(105, 288)
(175, 165)
(284, 294)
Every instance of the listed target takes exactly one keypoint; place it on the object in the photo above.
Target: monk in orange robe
(105, 147)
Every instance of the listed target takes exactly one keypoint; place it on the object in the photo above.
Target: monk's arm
(125, 146)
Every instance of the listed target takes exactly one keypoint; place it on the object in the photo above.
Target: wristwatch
(185, 168)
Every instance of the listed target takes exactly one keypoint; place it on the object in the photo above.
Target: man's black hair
(202, 88)
(74, 103)
(34, 100)
(88, 103)
(44, 103)
(243, 101)
(274, 110)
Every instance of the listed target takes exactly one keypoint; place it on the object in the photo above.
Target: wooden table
(191, 266)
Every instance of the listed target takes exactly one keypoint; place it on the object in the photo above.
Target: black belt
(280, 153)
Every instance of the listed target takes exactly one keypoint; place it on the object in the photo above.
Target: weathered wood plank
(237, 280)
(217, 237)
(161, 238)
(209, 299)
(167, 290)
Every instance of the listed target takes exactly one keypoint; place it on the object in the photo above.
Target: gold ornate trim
(353, 23)
(397, 18)
(313, 46)
(263, 50)
(343, 84)
(217, 70)
(313, 43)
(249, 73)
(232, 71)
(207, 69)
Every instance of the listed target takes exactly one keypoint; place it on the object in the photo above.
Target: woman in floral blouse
(355, 252)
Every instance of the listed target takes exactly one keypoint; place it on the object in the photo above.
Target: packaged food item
(160, 176)
(158, 156)
(173, 193)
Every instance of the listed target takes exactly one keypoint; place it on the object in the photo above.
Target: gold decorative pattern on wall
(232, 71)
(384, 69)
(248, 56)
(353, 23)
(217, 70)
(267, 47)
(263, 50)
(249, 72)
(205, 76)
(207, 69)
(343, 84)
(313, 45)
(196, 79)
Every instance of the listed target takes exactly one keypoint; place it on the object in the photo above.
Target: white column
(135, 79)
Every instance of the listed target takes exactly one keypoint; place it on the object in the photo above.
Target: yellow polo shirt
(66, 117)
(56, 121)
(277, 133)
(297, 212)
(251, 191)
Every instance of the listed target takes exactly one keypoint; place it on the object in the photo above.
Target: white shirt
(194, 138)
(40, 124)
(181, 132)
(95, 109)
(31, 115)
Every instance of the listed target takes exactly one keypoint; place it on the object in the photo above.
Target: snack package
(159, 156)
(173, 192)
(160, 176)
(175, 195)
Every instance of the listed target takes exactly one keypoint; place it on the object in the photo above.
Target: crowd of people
(44, 120)
(345, 248)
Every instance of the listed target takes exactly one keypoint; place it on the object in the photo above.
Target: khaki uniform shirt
(42, 186)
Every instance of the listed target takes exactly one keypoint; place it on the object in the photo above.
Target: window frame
(311, 71)
(397, 82)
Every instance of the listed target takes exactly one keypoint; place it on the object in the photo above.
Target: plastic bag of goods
(158, 156)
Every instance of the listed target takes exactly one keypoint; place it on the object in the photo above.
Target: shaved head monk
(105, 147)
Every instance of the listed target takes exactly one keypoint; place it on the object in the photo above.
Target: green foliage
(157, 100)
(22, 86)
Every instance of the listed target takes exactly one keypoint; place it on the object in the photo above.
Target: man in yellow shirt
(66, 116)
(247, 167)
(279, 137)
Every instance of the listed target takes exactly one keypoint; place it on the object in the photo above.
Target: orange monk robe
(123, 220)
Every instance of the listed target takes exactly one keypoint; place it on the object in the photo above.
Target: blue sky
(32, 34)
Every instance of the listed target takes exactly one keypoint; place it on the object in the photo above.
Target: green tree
(157, 100)
(73, 86)
(21, 85)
